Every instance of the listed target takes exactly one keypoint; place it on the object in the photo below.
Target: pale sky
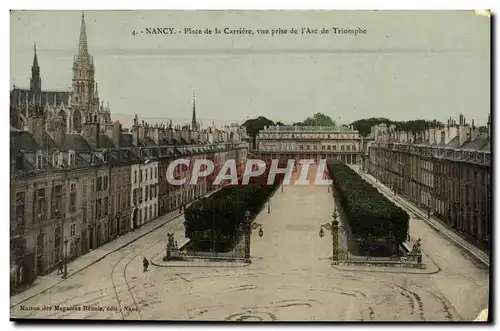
(409, 64)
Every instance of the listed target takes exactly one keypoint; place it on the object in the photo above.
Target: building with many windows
(310, 142)
(444, 170)
(78, 181)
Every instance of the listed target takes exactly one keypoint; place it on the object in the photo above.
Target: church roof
(18, 96)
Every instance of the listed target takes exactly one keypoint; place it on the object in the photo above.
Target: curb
(98, 260)
(389, 272)
(202, 266)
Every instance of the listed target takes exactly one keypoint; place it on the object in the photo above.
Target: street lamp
(281, 186)
(333, 227)
(65, 273)
(269, 205)
(250, 225)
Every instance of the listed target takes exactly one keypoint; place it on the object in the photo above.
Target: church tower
(84, 96)
(194, 123)
(35, 81)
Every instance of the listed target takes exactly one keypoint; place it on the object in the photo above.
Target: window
(40, 203)
(145, 213)
(20, 201)
(301, 147)
(156, 172)
(99, 184)
(334, 147)
(342, 147)
(140, 176)
(150, 212)
(134, 196)
(57, 200)
(353, 147)
(71, 159)
(348, 147)
(99, 208)
(72, 230)
(92, 186)
(328, 147)
(105, 183)
(72, 198)
(147, 193)
(39, 160)
(323, 147)
(135, 176)
(84, 188)
(106, 206)
(308, 147)
(151, 191)
(55, 159)
(84, 211)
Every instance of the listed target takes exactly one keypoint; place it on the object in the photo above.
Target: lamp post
(65, 273)
(269, 205)
(333, 227)
(250, 225)
(281, 186)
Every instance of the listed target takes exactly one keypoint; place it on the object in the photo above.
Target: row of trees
(216, 222)
(364, 125)
(372, 217)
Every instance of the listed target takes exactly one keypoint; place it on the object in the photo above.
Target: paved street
(290, 278)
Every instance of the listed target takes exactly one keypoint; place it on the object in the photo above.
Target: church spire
(83, 52)
(35, 81)
(194, 124)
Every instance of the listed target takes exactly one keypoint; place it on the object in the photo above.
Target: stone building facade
(74, 173)
(304, 142)
(445, 171)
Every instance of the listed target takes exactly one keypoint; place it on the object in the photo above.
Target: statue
(170, 242)
(416, 246)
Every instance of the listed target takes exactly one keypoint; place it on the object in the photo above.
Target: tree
(318, 119)
(280, 123)
(364, 126)
(254, 125)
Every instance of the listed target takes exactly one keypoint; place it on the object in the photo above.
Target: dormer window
(71, 158)
(39, 160)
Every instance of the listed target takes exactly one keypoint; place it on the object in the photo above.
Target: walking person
(145, 264)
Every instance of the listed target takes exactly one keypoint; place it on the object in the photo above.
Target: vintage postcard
(250, 166)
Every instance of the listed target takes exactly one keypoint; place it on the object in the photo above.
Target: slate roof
(478, 143)
(453, 143)
(19, 96)
(75, 142)
(126, 140)
(105, 142)
(22, 140)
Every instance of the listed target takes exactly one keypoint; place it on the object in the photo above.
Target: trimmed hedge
(370, 213)
(215, 222)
